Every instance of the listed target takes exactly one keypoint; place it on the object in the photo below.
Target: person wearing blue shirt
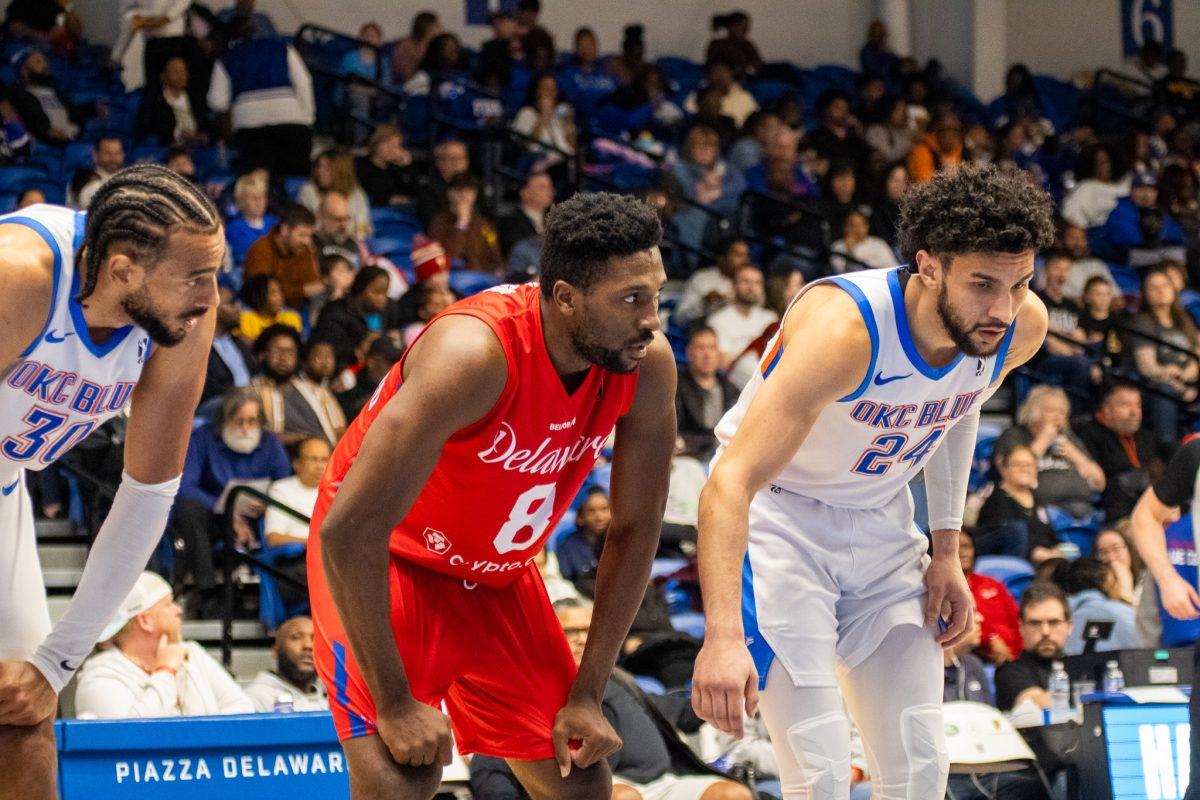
(252, 222)
(586, 80)
(234, 447)
(1090, 584)
(579, 550)
(1137, 221)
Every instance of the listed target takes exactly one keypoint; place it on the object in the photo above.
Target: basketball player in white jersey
(97, 312)
(812, 571)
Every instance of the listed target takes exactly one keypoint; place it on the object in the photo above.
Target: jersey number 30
(43, 440)
(881, 455)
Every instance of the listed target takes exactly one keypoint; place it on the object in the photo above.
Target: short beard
(277, 377)
(291, 673)
(145, 314)
(604, 357)
(960, 334)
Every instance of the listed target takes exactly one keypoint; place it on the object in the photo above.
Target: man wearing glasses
(1045, 626)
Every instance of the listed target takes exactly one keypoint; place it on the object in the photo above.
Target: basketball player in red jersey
(446, 486)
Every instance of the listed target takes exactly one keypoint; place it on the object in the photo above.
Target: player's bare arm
(1150, 516)
(26, 286)
(826, 353)
(454, 375)
(640, 478)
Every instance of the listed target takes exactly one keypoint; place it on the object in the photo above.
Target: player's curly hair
(585, 231)
(975, 210)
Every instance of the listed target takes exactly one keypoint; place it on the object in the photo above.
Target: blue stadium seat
(466, 283)
(649, 685)
(292, 186)
(564, 526)
(768, 93)
(1003, 568)
(387, 245)
(1081, 536)
(981, 464)
(690, 623)
(835, 76)
(272, 610)
(77, 154)
(15, 179)
(397, 228)
(666, 566)
(1017, 584)
(389, 215)
(684, 73)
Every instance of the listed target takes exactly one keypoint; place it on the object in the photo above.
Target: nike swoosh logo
(9, 489)
(52, 339)
(66, 665)
(880, 380)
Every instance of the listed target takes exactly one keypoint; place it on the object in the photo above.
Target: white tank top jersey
(63, 386)
(866, 447)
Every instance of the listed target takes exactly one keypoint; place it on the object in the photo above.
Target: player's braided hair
(975, 210)
(584, 232)
(138, 208)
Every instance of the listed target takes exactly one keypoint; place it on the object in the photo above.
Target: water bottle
(1114, 679)
(284, 704)
(1060, 693)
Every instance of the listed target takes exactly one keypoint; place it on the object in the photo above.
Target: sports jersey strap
(505, 342)
(868, 315)
(1002, 352)
(771, 359)
(41, 230)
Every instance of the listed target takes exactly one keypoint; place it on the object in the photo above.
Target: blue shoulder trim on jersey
(81, 328)
(41, 230)
(905, 334)
(868, 315)
(1002, 352)
(760, 649)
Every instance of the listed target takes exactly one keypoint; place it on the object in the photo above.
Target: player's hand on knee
(26, 697)
(582, 736)
(724, 684)
(417, 735)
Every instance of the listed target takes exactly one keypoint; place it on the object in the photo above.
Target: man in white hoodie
(145, 669)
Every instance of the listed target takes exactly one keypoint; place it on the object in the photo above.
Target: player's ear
(565, 296)
(121, 269)
(928, 268)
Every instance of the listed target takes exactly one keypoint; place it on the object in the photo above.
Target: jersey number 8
(531, 511)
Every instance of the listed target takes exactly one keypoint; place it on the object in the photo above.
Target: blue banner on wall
(1146, 20)
(478, 10)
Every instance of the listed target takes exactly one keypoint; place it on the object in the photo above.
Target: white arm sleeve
(128, 536)
(946, 474)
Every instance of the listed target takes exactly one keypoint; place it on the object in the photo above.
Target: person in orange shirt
(942, 148)
(286, 254)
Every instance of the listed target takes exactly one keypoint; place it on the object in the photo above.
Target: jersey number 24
(882, 454)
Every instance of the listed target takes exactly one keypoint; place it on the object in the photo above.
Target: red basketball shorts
(496, 657)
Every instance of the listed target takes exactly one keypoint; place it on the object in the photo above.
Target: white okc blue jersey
(63, 386)
(864, 449)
